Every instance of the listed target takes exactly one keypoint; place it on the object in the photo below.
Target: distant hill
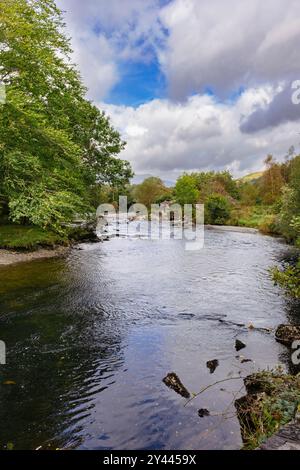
(252, 177)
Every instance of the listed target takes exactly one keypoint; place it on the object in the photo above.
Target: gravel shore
(8, 257)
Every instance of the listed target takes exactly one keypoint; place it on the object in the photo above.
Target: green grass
(258, 217)
(273, 400)
(251, 177)
(27, 237)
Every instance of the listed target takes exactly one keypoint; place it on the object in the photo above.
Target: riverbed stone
(173, 381)
(212, 365)
(239, 345)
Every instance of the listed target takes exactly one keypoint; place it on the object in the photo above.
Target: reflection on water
(90, 338)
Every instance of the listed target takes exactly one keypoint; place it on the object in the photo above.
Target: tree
(212, 182)
(150, 191)
(186, 191)
(217, 210)
(272, 181)
(55, 146)
(249, 193)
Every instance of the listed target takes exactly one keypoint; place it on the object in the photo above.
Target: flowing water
(89, 339)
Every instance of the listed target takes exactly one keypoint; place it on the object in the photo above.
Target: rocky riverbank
(272, 401)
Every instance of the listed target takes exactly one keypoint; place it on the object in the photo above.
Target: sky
(192, 84)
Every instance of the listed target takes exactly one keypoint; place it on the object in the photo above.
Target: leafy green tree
(186, 191)
(212, 182)
(249, 193)
(55, 146)
(217, 210)
(150, 191)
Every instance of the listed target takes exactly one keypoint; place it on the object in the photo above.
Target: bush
(217, 210)
(289, 279)
(269, 225)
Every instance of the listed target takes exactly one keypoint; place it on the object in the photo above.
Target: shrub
(217, 210)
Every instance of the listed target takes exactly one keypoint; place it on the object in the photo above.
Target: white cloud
(167, 138)
(229, 44)
(208, 43)
(219, 44)
(280, 110)
(105, 32)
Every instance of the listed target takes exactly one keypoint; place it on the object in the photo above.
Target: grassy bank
(260, 217)
(18, 237)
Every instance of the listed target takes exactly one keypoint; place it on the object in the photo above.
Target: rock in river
(212, 365)
(173, 381)
(239, 345)
(203, 412)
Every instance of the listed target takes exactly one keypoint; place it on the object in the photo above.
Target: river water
(89, 339)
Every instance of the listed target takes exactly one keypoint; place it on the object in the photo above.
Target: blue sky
(141, 82)
(188, 83)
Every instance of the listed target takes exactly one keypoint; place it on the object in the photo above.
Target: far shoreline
(232, 228)
(10, 257)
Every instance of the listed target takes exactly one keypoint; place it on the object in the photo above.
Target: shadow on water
(57, 359)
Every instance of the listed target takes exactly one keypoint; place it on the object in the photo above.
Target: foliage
(272, 181)
(272, 401)
(212, 182)
(28, 237)
(249, 193)
(290, 206)
(217, 210)
(289, 279)
(186, 191)
(55, 146)
(248, 216)
(151, 190)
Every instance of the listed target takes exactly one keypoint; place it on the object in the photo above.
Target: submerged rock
(239, 345)
(287, 334)
(203, 412)
(173, 381)
(212, 365)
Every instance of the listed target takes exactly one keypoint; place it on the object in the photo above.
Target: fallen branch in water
(195, 395)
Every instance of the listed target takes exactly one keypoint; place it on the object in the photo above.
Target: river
(89, 339)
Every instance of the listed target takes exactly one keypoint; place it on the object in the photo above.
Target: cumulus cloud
(167, 138)
(280, 110)
(228, 44)
(198, 45)
(104, 33)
